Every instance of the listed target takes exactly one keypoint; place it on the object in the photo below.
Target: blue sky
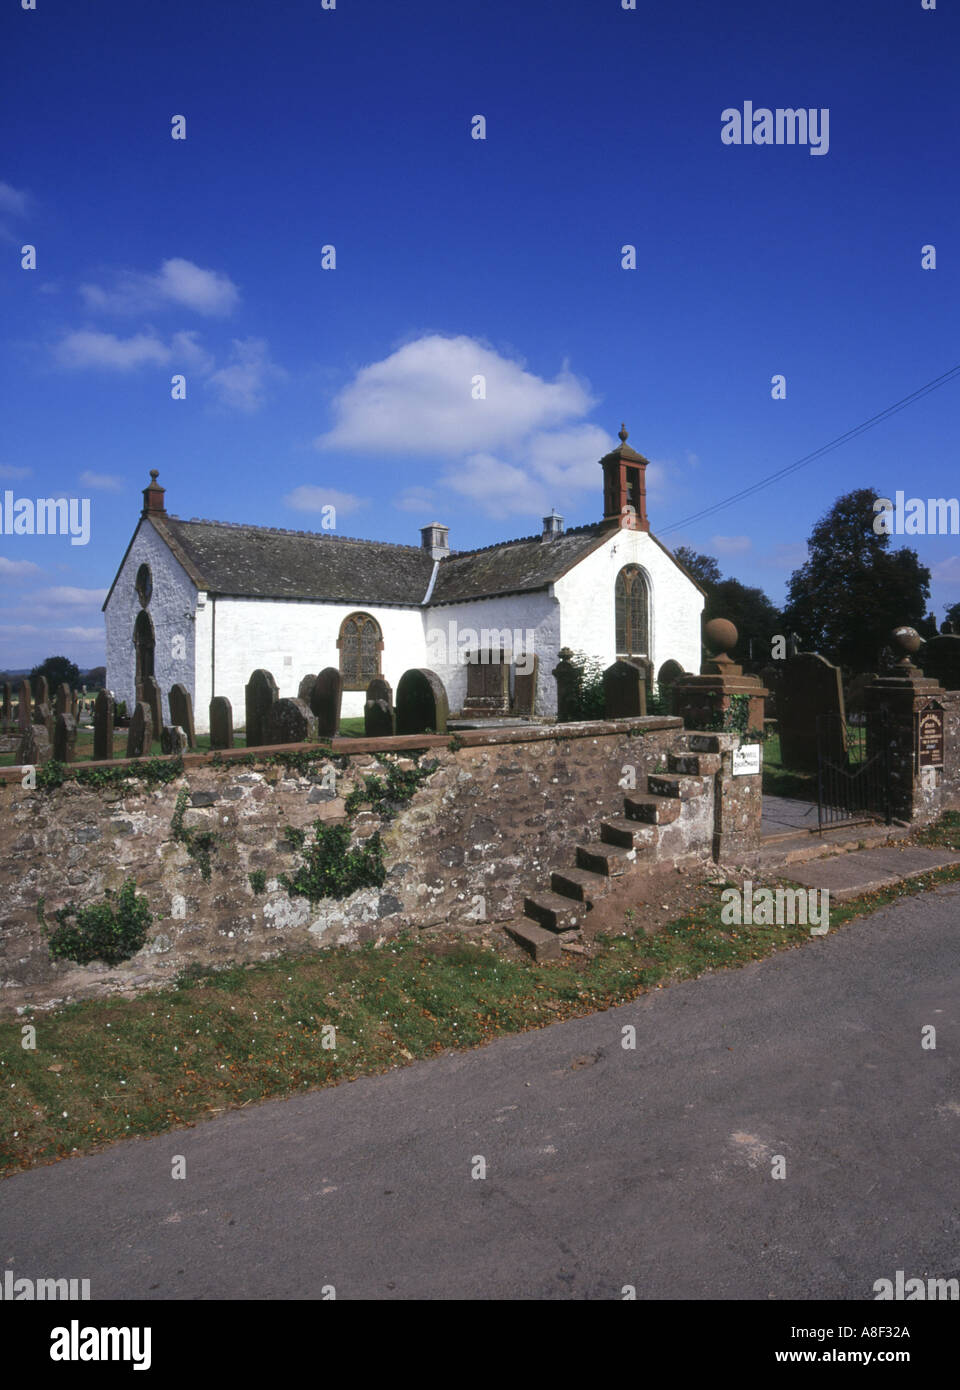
(456, 257)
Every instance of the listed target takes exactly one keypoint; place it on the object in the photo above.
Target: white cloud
(419, 399)
(498, 489)
(311, 498)
(13, 201)
(91, 349)
(730, 545)
(178, 281)
(946, 571)
(242, 383)
(62, 593)
(416, 499)
(9, 470)
(105, 482)
(13, 569)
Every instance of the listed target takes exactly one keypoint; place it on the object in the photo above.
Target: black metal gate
(853, 768)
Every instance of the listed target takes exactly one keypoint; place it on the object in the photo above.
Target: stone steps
(626, 842)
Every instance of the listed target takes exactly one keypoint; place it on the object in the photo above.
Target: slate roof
(262, 562)
(265, 562)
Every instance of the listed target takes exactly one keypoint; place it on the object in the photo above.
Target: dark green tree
(953, 614)
(58, 669)
(756, 619)
(703, 568)
(853, 589)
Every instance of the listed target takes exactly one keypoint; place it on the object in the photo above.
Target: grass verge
(104, 1070)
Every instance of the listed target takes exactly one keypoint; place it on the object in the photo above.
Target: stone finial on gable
(153, 504)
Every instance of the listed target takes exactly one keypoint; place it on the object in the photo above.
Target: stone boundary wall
(487, 826)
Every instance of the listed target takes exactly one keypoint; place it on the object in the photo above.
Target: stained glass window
(632, 598)
(360, 643)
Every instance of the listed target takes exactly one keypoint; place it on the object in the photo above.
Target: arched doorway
(144, 644)
(632, 613)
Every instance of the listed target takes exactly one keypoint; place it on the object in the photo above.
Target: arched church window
(144, 585)
(632, 612)
(360, 643)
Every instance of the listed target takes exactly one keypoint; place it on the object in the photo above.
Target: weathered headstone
(140, 735)
(325, 700)
(624, 691)
(181, 712)
(291, 721)
(34, 747)
(488, 683)
(103, 726)
(24, 706)
(65, 738)
(811, 696)
(173, 739)
(379, 689)
(260, 695)
(306, 689)
(379, 720)
(41, 694)
(63, 700)
(221, 722)
(421, 703)
(568, 681)
(44, 715)
(150, 693)
(940, 659)
(525, 690)
(6, 705)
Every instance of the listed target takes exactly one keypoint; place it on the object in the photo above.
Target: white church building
(205, 603)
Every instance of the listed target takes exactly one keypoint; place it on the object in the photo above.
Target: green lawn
(108, 1069)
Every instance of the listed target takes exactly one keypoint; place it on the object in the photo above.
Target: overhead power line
(818, 453)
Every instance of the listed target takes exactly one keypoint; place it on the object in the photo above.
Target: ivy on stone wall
(111, 931)
(199, 844)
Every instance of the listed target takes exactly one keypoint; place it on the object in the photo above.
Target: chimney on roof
(153, 497)
(552, 526)
(434, 539)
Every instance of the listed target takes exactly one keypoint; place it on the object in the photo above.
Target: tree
(703, 568)
(57, 669)
(756, 619)
(953, 615)
(853, 590)
(95, 678)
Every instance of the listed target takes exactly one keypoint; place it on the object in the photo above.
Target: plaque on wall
(930, 736)
(746, 759)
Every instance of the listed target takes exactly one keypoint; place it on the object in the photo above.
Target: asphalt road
(604, 1167)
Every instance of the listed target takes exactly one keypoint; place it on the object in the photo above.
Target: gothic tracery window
(632, 612)
(360, 643)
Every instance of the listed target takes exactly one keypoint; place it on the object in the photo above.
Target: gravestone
(306, 689)
(5, 715)
(260, 695)
(421, 703)
(488, 684)
(34, 748)
(65, 738)
(63, 700)
(379, 689)
(291, 721)
(624, 691)
(150, 693)
(140, 734)
(325, 699)
(525, 691)
(24, 706)
(41, 694)
(221, 722)
(173, 739)
(45, 716)
(379, 720)
(810, 690)
(181, 712)
(103, 726)
(940, 659)
(567, 677)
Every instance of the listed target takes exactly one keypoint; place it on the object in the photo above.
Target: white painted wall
(291, 637)
(172, 608)
(537, 613)
(587, 596)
